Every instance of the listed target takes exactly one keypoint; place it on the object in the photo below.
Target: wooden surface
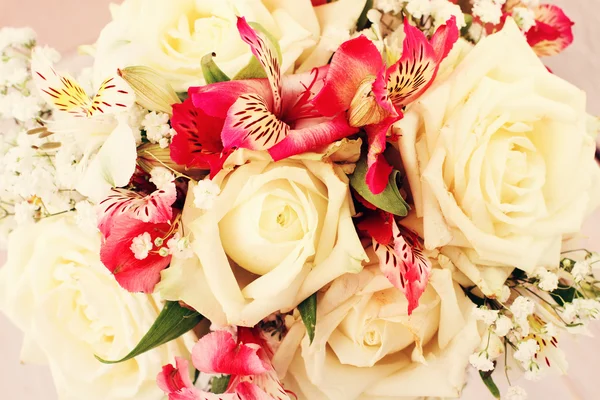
(65, 24)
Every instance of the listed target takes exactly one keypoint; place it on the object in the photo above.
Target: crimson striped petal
(251, 125)
(405, 266)
(154, 208)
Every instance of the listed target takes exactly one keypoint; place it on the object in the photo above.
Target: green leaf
(219, 384)
(172, 322)
(486, 377)
(212, 73)
(254, 70)
(308, 312)
(362, 20)
(389, 200)
(564, 295)
(469, 22)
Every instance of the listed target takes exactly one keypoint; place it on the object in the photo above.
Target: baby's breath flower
(522, 307)
(481, 361)
(526, 351)
(503, 325)
(205, 194)
(85, 216)
(548, 281)
(161, 177)
(141, 245)
(488, 11)
(524, 17)
(486, 315)
(581, 270)
(515, 393)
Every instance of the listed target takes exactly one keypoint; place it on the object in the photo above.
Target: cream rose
(277, 233)
(173, 36)
(55, 289)
(499, 161)
(367, 347)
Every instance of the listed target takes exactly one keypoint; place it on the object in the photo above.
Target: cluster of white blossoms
(157, 128)
(488, 11)
(38, 174)
(435, 11)
(526, 319)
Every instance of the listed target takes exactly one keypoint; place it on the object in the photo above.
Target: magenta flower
(360, 86)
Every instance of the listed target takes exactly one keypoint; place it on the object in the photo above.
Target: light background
(65, 24)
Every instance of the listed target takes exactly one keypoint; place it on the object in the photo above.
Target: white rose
(366, 346)
(499, 161)
(277, 233)
(173, 36)
(55, 289)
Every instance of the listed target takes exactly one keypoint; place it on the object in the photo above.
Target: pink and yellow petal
(553, 31)
(354, 61)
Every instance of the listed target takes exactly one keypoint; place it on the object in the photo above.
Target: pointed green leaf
(254, 70)
(486, 377)
(218, 384)
(172, 322)
(362, 20)
(308, 312)
(389, 200)
(212, 73)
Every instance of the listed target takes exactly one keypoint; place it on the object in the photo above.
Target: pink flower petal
(176, 383)
(312, 134)
(218, 353)
(378, 225)
(250, 124)
(261, 387)
(355, 60)
(154, 208)
(553, 31)
(132, 274)
(405, 267)
(216, 99)
(267, 57)
(378, 172)
(415, 71)
(198, 139)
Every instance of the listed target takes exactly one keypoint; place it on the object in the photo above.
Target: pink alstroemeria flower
(273, 113)
(125, 215)
(400, 254)
(247, 360)
(359, 83)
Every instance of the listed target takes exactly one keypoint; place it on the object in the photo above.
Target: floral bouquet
(286, 199)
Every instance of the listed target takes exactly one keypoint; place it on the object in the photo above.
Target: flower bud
(151, 89)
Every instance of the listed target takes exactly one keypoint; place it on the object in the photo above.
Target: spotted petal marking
(154, 208)
(66, 95)
(268, 58)
(250, 124)
(405, 266)
(418, 66)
